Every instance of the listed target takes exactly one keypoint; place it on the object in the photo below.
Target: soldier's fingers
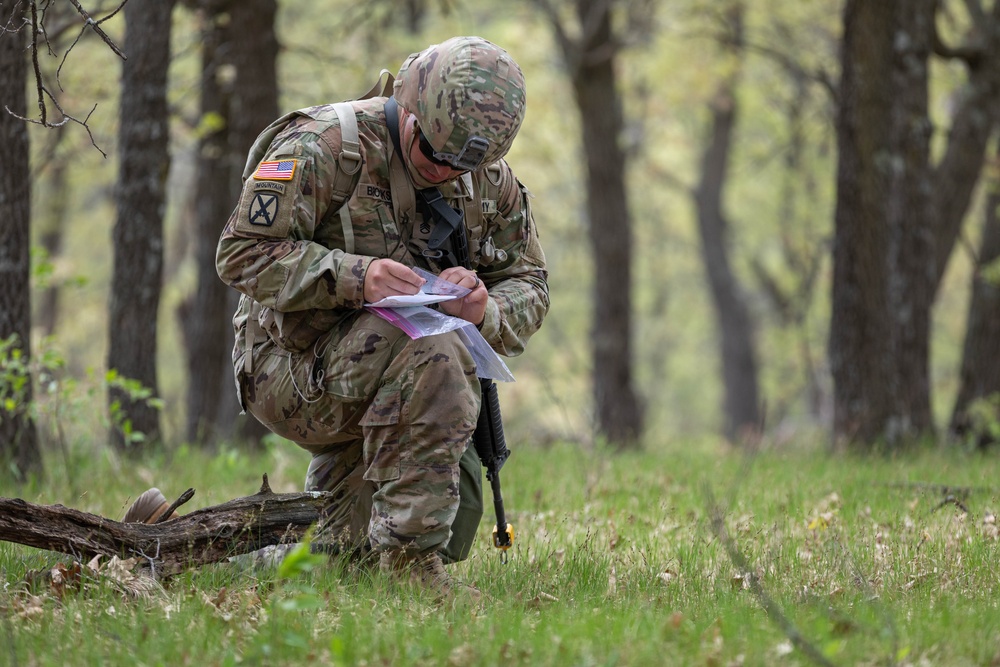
(404, 278)
(461, 276)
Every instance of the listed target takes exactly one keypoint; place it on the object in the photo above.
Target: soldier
(330, 219)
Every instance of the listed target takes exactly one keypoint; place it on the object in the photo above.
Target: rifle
(492, 450)
(488, 438)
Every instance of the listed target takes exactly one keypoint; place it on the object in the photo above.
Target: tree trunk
(911, 227)
(240, 87)
(980, 375)
(53, 227)
(253, 106)
(138, 233)
(204, 323)
(739, 362)
(619, 416)
(898, 216)
(957, 174)
(18, 436)
(882, 290)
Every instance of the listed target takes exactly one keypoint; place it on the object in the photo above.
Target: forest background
(727, 125)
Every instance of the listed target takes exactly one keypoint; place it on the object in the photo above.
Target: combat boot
(148, 508)
(426, 572)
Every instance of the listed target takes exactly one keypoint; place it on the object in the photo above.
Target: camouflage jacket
(287, 249)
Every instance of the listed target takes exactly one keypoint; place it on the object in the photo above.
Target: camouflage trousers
(387, 420)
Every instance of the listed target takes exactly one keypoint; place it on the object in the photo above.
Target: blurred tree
(253, 106)
(736, 329)
(18, 435)
(51, 223)
(980, 374)
(239, 98)
(207, 336)
(591, 60)
(143, 137)
(899, 213)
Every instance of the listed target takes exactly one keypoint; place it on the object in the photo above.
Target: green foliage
(15, 377)
(67, 410)
(983, 416)
(135, 392)
(991, 272)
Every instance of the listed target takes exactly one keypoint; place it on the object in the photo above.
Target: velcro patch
(370, 191)
(263, 209)
(489, 206)
(266, 206)
(275, 170)
(269, 186)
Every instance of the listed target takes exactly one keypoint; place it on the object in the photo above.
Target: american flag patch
(278, 170)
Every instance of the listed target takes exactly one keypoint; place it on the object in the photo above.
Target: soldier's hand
(387, 277)
(471, 307)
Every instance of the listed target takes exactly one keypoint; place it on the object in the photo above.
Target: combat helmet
(468, 96)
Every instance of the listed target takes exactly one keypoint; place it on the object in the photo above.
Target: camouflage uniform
(387, 419)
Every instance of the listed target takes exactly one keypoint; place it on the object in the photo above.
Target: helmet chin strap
(418, 181)
(446, 219)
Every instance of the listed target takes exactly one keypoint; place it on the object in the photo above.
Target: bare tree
(18, 435)
(138, 232)
(253, 106)
(591, 60)
(736, 334)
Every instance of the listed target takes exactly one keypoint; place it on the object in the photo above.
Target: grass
(615, 563)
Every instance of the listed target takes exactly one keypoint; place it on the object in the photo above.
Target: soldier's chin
(436, 175)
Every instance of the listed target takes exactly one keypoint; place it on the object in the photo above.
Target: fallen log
(204, 536)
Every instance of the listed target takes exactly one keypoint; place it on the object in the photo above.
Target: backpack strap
(404, 201)
(349, 161)
(348, 165)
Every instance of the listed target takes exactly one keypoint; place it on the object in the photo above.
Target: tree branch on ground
(204, 536)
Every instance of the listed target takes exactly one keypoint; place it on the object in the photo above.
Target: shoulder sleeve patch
(275, 170)
(267, 210)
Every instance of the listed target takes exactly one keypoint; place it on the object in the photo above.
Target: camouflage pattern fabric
(386, 410)
(385, 418)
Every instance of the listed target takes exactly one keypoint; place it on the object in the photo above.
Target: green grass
(615, 563)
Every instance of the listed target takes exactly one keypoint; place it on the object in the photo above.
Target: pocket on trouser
(356, 364)
(470, 508)
(381, 429)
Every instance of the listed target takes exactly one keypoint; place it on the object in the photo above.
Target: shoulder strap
(348, 165)
(403, 200)
(349, 161)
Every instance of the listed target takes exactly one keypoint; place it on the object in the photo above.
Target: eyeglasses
(428, 151)
(468, 159)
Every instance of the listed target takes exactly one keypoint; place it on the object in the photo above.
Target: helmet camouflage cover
(468, 96)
